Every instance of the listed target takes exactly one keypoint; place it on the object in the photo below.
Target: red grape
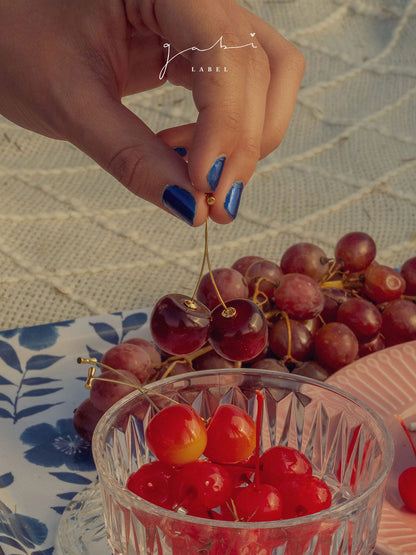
(335, 346)
(180, 325)
(241, 336)
(268, 363)
(305, 258)
(85, 419)
(242, 264)
(333, 298)
(376, 344)
(212, 361)
(132, 358)
(301, 344)
(104, 393)
(149, 347)
(382, 283)
(263, 275)
(408, 271)
(311, 369)
(399, 322)
(361, 316)
(299, 296)
(230, 283)
(355, 251)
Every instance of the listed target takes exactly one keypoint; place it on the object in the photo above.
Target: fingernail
(181, 151)
(215, 172)
(232, 200)
(180, 202)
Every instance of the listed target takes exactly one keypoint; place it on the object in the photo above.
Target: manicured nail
(215, 172)
(180, 202)
(232, 200)
(181, 151)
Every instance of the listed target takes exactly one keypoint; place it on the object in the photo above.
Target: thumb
(126, 148)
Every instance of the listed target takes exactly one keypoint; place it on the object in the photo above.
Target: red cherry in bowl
(304, 495)
(201, 485)
(152, 482)
(258, 503)
(176, 435)
(231, 435)
(281, 463)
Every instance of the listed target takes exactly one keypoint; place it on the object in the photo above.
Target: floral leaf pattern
(106, 332)
(6, 480)
(9, 355)
(39, 380)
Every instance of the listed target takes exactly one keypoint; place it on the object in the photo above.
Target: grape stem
(257, 294)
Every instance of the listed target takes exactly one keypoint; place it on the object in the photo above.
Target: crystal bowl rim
(330, 514)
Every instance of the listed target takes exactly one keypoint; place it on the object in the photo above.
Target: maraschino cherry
(176, 435)
(407, 479)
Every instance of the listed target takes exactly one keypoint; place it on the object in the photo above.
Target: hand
(67, 65)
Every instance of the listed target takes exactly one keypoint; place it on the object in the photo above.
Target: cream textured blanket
(74, 242)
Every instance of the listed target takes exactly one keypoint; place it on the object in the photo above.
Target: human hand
(67, 65)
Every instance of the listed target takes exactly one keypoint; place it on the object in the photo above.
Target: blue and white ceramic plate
(43, 462)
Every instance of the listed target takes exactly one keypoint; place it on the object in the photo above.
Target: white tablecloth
(74, 242)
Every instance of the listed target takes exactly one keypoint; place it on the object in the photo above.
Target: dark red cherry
(179, 325)
(238, 332)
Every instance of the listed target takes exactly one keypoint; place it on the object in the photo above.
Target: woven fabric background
(74, 242)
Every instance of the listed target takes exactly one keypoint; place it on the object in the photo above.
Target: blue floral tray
(43, 462)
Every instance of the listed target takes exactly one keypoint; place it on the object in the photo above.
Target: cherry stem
(259, 418)
(228, 311)
(406, 431)
(91, 377)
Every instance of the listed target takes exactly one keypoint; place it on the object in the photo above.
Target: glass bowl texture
(347, 443)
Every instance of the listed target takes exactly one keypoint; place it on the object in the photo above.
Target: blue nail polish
(215, 172)
(180, 202)
(232, 200)
(181, 151)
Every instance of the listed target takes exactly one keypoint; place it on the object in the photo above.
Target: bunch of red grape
(124, 368)
(215, 471)
(309, 313)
